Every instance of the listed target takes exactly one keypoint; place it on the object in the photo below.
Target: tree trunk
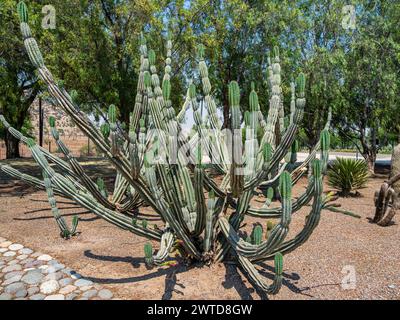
(12, 146)
(370, 158)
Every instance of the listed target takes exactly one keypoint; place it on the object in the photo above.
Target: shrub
(347, 175)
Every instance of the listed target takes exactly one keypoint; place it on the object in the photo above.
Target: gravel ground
(345, 258)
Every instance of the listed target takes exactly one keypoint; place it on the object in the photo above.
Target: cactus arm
(77, 168)
(140, 93)
(35, 182)
(312, 220)
(236, 176)
(277, 235)
(208, 233)
(258, 280)
(83, 123)
(65, 231)
(84, 199)
(166, 243)
(18, 135)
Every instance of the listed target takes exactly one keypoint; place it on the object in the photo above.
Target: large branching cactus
(158, 166)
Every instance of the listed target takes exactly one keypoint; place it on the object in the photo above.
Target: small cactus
(256, 235)
(148, 253)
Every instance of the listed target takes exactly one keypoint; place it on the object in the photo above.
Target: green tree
(371, 81)
(19, 85)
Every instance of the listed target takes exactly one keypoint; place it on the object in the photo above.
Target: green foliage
(348, 175)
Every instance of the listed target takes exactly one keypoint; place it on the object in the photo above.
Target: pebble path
(29, 275)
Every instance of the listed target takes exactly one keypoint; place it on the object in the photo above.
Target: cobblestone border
(29, 275)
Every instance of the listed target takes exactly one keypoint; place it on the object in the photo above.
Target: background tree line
(94, 53)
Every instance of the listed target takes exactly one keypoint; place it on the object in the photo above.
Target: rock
(55, 297)
(49, 287)
(5, 244)
(53, 262)
(105, 294)
(49, 269)
(44, 257)
(15, 247)
(38, 297)
(64, 282)
(85, 288)
(392, 286)
(13, 274)
(21, 293)
(15, 267)
(22, 257)
(5, 296)
(14, 288)
(53, 276)
(12, 280)
(89, 294)
(3, 250)
(9, 254)
(25, 251)
(33, 277)
(26, 261)
(68, 289)
(76, 276)
(71, 296)
(83, 283)
(2, 239)
(12, 262)
(33, 290)
(44, 268)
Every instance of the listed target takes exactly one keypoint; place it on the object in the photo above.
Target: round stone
(49, 269)
(25, 251)
(86, 288)
(53, 262)
(14, 267)
(49, 287)
(26, 261)
(38, 297)
(5, 244)
(55, 297)
(21, 293)
(5, 296)
(64, 282)
(33, 290)
(68, 289)
(53, 276)
(83, 283)
(13, 274)
(15, 261)
(90, 294)
(22, 257)
(9, 254)
(14, 288)
(71, 296)
(33, 277)
(44, 257)
(15, 247)
(105, 294)
(3, 250)
(12, 280)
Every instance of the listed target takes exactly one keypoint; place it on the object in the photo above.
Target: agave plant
(152, 167)
(348, 175)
